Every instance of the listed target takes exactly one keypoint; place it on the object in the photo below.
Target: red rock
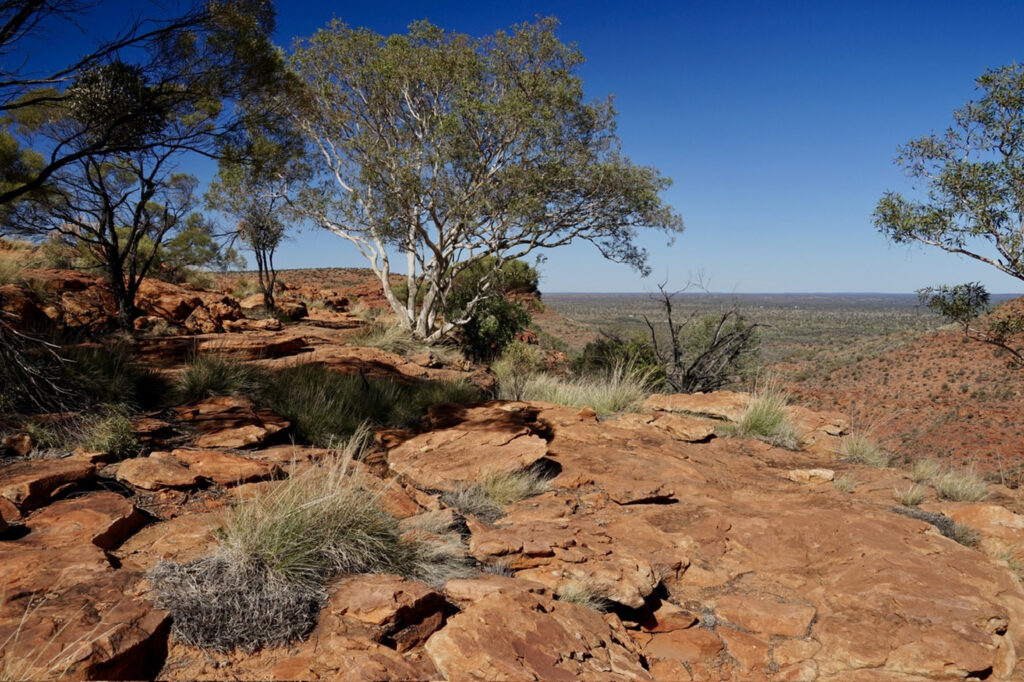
(749, 651)
(766, 616)
(181, 539)
(491, 441)
(689, 429)
(29, 484)
(528, 636)
(156, 472)
(225, 468)
(718, 404)
(105, 519)
(230, 422)
(691, 645)
(468, 590)
(408, 611)
(811, 475)
(18, 444)
(271, 324)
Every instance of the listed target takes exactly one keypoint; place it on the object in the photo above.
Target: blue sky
(777, 120)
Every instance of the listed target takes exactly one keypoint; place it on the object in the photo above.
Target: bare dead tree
(27, 370)
(704, 352)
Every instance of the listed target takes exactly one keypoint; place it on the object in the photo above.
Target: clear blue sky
(777, 120)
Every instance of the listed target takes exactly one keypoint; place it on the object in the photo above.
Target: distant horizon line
(756, 293)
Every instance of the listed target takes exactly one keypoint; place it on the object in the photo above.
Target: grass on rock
(765, 418)
(266, 582)
(210, 376)
(862, 449)
(909, 497)
(575, 592)
(486, 500)
(621, 389)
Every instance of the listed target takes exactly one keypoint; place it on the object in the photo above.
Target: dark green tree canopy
(451, 148)
(972, 179)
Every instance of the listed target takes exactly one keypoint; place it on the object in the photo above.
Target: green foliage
(517, 364)
(961, 303)
(110, 373)
(972, 174)
(486, 499)
(112, 434)
(492, 326)
(325, 406)
(599, 357)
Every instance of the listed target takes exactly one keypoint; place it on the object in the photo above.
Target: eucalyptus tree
(972, 180)
(449, 149)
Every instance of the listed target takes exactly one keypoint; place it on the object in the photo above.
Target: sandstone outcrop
(711, 558)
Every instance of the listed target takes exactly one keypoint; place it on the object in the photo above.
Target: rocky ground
(704, 557)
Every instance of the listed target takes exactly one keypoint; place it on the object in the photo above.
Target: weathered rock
(267, 324)
(464, 591)
(718, 404)
(520, 636)
(489, 441)
(293, 310)
(1001, 530)
(252, 346)
(77, 618)
(225, 468)
(155, 472)
(766, 616)
(407, 611)
(230, 422)
(29, 484)
(105, 519)
(18, 444)
(811, 475)
(181, 539)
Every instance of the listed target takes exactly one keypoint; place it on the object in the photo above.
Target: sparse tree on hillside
(973, 179)
(962, 303)
(450, 149)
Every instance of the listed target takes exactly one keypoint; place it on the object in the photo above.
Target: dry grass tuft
(486, 500)
(960, 486)
(862, 449)
(765, 419)
(576, 592)
(910, 497)
(844, 483)
(924, 470)
(622, 389)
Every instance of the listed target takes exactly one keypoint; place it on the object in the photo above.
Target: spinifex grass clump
(486, 499)
(210, 376)
(765, 418)
(266, 582)
(862, 449)
(622, 388)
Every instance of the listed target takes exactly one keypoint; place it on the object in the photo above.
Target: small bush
(208, 376)
(602, 356)
(515, 367)
(621, 389)
(112, 434)
(493, 326)
(960, 486)
(924, 470)
(910, 497)
(862, 449)
(765, 419)
(10, 270)
(110, 373)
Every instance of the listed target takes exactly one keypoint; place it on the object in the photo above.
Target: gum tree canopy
(973, 175)
(448, 149)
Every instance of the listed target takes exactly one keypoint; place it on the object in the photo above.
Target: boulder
(28, 484)
(718, 404)
(105, 519)
(230, 422)
(530, 636)
(155, 472)
(225, 468)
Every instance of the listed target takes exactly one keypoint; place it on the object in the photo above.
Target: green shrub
(601, 356)
(112, 433)
(209, 376)
(517, 364)
(765, 418)
(493, 326)
(110, 373)
(325, 406)
(861, 449)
